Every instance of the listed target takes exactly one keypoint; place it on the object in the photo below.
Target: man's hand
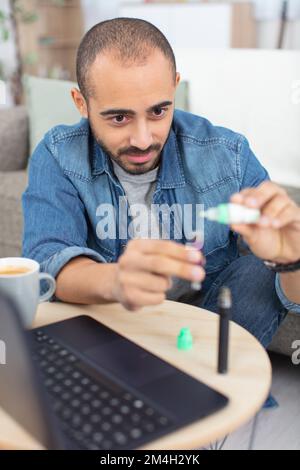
(276, 236)
(145, 269)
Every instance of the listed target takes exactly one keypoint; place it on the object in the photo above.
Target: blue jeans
(255, 304)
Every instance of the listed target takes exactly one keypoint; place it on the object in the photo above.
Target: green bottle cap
(184, 340)
(223, 214)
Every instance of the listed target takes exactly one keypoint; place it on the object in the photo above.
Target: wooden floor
(279, 428)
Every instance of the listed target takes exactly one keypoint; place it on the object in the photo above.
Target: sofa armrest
(14, 138)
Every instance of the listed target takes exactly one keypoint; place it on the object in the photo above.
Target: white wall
(268, 31)
(8, 61)
(99, 10)
(7, 51)
(188, 26)
(267, 14)
(254, 92)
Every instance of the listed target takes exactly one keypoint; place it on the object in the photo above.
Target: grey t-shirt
(139, 191)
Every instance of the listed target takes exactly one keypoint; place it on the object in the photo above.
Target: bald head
(129, 41)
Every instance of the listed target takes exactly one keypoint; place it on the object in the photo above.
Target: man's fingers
(135, 298)
(259, 196)
(170, 267)
(273, 208)
(272, 201)
(290, 214)
(145, 281)
(162, 265)
(239, 198)
(243, 229)
(166, 248)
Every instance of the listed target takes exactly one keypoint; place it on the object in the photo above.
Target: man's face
(131, 110)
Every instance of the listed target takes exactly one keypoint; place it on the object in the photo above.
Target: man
(132, 146)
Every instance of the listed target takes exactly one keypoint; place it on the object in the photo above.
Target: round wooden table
(246, 385)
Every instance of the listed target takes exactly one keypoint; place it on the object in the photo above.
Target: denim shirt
(70, 176)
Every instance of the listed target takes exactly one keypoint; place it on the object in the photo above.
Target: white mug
(24, 288)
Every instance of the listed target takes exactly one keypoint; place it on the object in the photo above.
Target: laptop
(77, 384)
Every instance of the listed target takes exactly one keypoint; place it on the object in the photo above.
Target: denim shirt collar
(170, 175)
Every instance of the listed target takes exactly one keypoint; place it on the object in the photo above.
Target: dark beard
(138, 169)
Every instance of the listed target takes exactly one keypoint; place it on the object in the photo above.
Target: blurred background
(49, 30)
(46, 32)
(239, 60)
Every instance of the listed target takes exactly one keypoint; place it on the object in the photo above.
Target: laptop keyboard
(93, 411)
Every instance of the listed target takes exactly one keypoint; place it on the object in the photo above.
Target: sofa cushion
(12, 185)
(49, 103)
(14, 148)
(289, 331)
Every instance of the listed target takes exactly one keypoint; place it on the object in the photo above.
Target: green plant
(9, 27)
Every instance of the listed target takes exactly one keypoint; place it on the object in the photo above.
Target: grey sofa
(14, 151)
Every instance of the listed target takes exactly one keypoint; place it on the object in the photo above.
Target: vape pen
(224, 308)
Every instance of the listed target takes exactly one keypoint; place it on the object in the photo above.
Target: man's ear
(177, 80)
(80, 102)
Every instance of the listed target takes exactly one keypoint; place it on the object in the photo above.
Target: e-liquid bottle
(232, 214)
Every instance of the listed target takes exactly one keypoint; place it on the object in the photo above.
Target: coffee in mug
(11, 270)
(20, 279)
